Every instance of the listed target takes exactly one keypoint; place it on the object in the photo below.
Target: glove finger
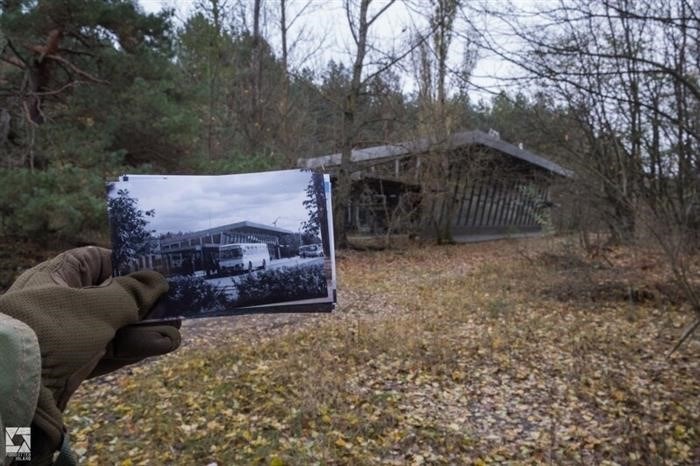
(134, 343)
(143, 341)
(145, 287)
(81, 267)
(75, 268)
(110, 365)
(103, 310)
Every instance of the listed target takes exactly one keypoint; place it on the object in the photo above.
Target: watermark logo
(18, 443)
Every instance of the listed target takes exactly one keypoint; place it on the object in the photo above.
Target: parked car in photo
(311, 250)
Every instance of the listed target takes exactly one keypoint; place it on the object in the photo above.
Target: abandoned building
(473, 183)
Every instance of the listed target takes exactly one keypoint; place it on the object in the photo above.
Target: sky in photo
(192, 203)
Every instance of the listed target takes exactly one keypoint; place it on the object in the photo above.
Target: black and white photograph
(228, 244)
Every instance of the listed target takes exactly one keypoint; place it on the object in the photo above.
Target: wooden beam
(521, 208)
(474, 206)
(514, 205)
(450, 202)
(464, 218)
(483, 209)
(493, 208)
(507, 204)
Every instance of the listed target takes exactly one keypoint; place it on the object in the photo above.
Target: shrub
(62, 202)
(282, 284)
(192, 296)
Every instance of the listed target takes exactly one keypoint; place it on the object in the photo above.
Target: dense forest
(90, 89)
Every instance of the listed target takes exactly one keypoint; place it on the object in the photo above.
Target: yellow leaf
(619, 395)
(276, 461)
(341, 443)
(679, 431)
(213, 425)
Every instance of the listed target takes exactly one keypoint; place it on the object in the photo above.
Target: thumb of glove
(134, 343)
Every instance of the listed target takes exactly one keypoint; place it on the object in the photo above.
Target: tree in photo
(315, 205)
(130, 234)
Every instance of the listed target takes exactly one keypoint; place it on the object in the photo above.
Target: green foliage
(152, 125)
(540, 209)
(58, 48)
(60, 201)
(234, 163)
(238, 109)
(78, 140)
(127, 91)
(102, 22)
(282, 284)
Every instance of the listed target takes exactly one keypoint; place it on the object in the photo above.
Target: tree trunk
(256, 78)
(344, 182)
(284, 103)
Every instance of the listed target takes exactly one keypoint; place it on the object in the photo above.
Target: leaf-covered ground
(508, 352)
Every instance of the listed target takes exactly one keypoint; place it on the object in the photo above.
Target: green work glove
(81, 318)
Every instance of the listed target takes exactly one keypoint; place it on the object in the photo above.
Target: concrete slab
(495, 237)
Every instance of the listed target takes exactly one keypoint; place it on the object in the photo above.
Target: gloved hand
(81, 316)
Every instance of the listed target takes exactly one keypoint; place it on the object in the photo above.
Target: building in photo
(226, 243)
(199, 249)
(473, 184)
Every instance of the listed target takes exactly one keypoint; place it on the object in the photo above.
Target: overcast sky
(326, 36)
(191, 203)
